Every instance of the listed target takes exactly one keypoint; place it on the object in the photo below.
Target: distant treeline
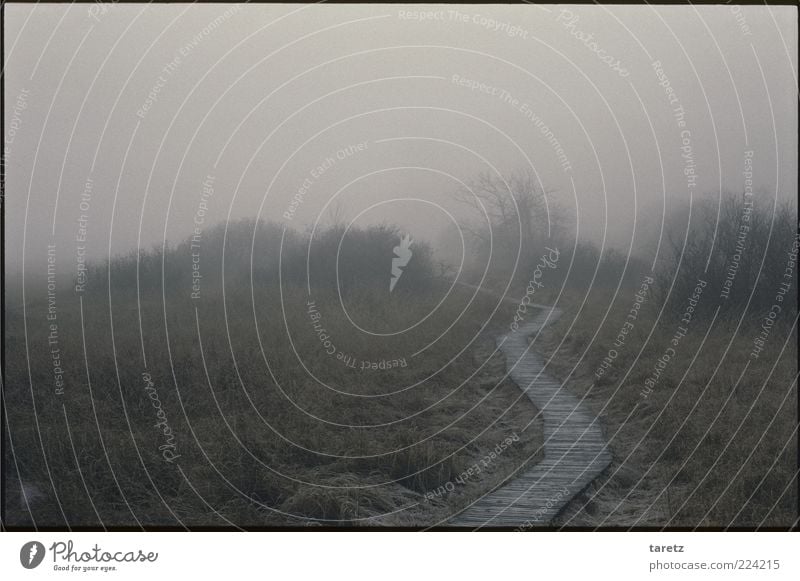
(745, 252)
(739, 249)
(266, 253)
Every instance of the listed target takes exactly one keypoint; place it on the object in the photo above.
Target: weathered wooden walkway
(575, 451)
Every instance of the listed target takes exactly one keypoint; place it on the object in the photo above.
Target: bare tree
(336, 215)
(513, 214)
(738, 247)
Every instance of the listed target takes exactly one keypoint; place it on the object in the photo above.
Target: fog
(400, 266)
(128, 126)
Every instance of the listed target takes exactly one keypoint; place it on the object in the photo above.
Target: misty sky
(254, 100)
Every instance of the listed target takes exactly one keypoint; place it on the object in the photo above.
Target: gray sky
(259, 97)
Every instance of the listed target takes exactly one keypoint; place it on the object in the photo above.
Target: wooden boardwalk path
(575, 451)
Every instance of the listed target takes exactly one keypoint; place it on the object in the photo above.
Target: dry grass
(704, 449)
(260, 442)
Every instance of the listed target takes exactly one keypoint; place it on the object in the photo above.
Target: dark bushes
(264, 253)
(739, 248)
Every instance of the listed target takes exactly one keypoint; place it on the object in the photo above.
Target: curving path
(575, 451)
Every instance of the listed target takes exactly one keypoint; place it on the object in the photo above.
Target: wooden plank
(575, 451)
